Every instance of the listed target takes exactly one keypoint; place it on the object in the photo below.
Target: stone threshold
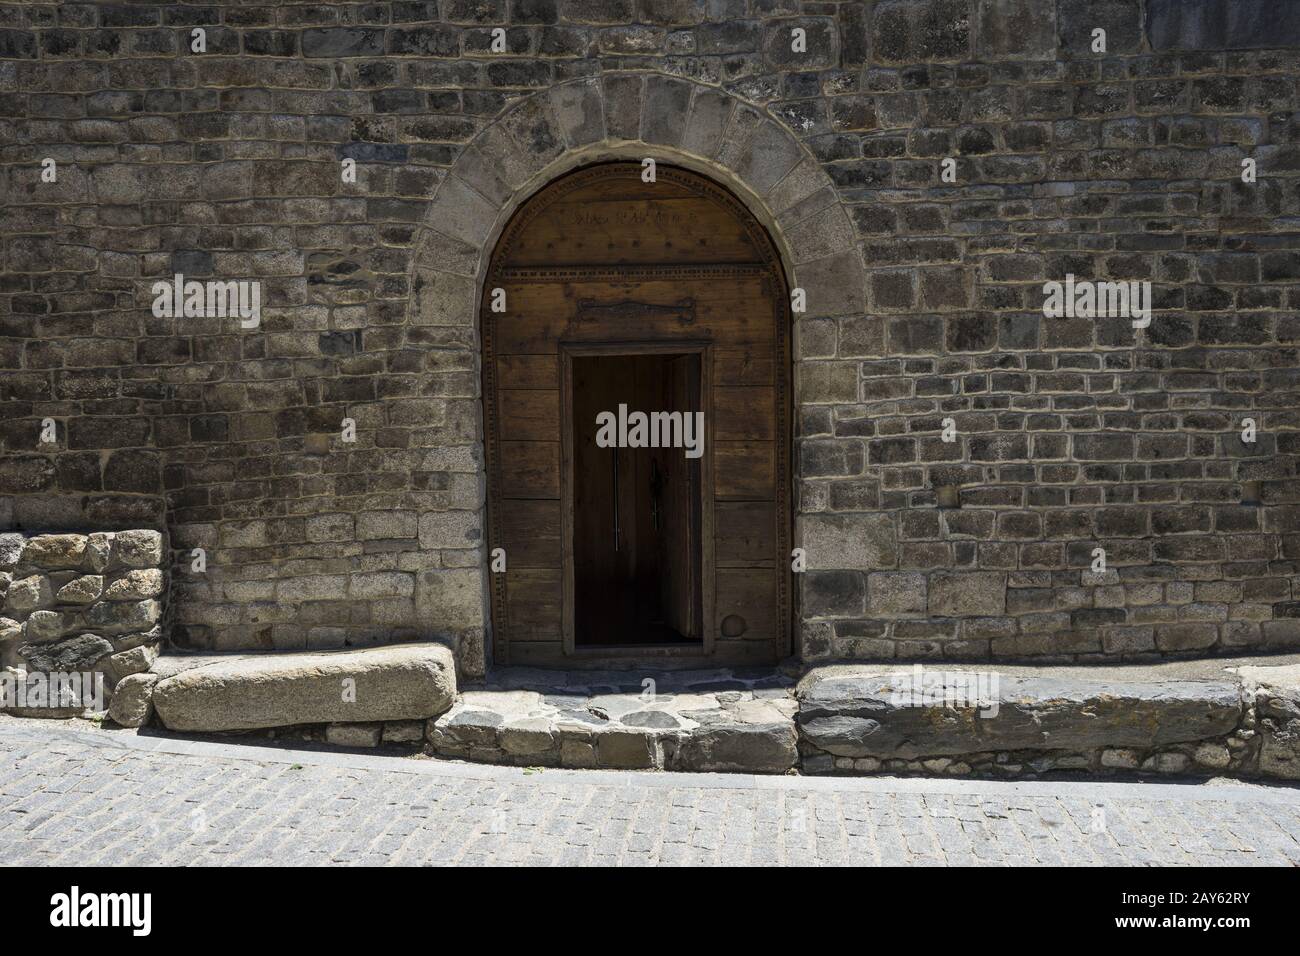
(718, 720)
(1220, 717)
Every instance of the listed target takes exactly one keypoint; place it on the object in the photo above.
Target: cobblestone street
(96, 797)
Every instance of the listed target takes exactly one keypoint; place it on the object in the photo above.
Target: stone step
(1201, 717)
(713, 721)
(253, 692)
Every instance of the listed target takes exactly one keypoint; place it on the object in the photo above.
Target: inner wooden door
(636, 506)
(605, 290)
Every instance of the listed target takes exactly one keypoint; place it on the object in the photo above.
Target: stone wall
(73, 603)
(925, 298)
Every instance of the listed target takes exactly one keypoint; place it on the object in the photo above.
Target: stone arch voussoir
(631, 115)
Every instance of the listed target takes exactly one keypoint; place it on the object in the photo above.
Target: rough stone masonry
(1122, 162)
(78, 604)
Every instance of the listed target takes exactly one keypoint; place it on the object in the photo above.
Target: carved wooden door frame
(772, 272)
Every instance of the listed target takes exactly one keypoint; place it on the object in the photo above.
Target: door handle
(656, 489)
(617, 528)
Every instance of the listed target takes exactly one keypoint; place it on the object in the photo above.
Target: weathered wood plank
(741, 414)
(529, 414)
(530, 469)
(744, 470)
(745, 534)
(751, 596)
(534, 598)
(528, 371)
(743, 366)
(530, 532)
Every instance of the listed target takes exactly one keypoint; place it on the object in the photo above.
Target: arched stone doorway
(619, 116)
(607, 295)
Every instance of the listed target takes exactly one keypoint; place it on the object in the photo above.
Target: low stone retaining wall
(78, 604)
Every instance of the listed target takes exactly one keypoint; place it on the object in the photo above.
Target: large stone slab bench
(253, 692)
(877, 717)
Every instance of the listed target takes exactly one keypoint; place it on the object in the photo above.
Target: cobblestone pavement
(84, 796)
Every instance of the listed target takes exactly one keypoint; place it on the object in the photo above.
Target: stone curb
(126, 741)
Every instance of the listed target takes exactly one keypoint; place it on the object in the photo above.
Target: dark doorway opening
(636, 510)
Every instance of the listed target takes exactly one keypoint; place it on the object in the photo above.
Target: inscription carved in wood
(590, 310)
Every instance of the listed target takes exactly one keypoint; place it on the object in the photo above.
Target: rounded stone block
(132, 703)
(11, 549)
(138, 549)
(135, 585)
(29, 594)
(82, 590)
(46, 625)
(136, 660)
(54, 552)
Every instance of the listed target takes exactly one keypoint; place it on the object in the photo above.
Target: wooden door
(667, 294)
(636, 517)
